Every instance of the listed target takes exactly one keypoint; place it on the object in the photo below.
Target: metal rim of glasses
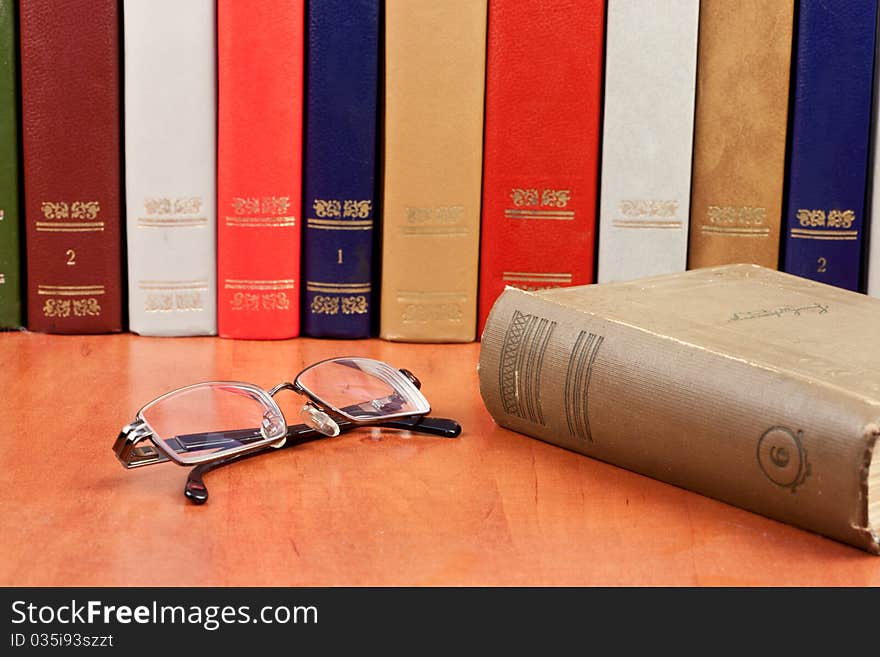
(132, 453)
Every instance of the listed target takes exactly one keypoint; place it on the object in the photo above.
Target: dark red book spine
(70, 62)
(541, 157)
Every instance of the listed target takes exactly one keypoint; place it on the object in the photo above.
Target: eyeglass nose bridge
(284, 385)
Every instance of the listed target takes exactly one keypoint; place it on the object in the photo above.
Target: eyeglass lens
(362, 388)
(211, 419)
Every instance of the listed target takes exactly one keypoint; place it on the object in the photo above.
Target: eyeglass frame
(131, 456)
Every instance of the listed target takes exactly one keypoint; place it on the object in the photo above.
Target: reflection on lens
(363, 389)
(211, 419)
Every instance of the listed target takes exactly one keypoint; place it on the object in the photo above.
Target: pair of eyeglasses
(208, 425)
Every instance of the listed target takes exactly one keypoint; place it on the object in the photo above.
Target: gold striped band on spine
(176, 222)
(740, 231)
(261, 284)
(338, 288)
(635, 223)
(418, 296)
(536, 277)
(819, 234)
(70, 290)
(260, 222)
(438, 231)
(339, 224)
(199, 284)
(70, 227)
(564, 215)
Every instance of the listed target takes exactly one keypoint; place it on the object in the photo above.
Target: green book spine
(10, 258)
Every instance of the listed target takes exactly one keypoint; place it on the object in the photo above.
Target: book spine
(434, 84)
(170, 166)
(339, 199)
(10, 244)
(260, 67)
(752, 437)
(829, 144)
(72, 165)
(543, 104)
(739, 132)
(650, 79)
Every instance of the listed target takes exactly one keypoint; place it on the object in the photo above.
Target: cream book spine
(650, 79)
(170, 166)
(435, 59)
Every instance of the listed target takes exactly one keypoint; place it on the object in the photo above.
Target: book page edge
(873, 492)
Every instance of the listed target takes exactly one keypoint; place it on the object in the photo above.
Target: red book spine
(72, 164)
(259, 160)
(541, 157)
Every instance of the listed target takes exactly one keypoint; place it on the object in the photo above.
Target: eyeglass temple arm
(435, 426)
(298, 434)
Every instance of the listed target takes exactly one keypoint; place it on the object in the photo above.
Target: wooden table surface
(369, 508)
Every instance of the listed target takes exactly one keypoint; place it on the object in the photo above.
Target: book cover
(170, 166)
(829, 142)
(695, 379)
(434, 84)
(541, 161)
(740, 128)
(70, 86)
(650, 79)
(259, 167)
(339, 201)
(10, 231)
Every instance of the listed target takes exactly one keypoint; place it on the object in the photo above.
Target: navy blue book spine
(339, 167)
(830, 126)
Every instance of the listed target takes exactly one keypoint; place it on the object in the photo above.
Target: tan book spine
(784, 446)
(743, 65)
(434, 87)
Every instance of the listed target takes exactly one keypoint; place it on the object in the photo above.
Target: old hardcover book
(260, 62)
(752, 386)
(541, 160)
(339, 201)
(71, 124)
(743, 62)
(10, 235)
(650, 77)
(170, 166)
(828, 175)
(434, 82)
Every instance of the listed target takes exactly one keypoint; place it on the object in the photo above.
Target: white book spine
(170, 165)
(650, 80)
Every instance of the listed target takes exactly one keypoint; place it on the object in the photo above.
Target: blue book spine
(339, 164)
(829, 141)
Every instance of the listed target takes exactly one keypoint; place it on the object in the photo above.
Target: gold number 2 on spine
(71, 257)
(823, 265)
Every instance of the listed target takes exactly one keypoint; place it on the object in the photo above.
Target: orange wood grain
(369, 508)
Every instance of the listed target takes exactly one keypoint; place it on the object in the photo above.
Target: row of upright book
(260, 170)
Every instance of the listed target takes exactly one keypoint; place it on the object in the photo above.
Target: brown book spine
(435, 55)
(743, 64)
(690, 416)
(71, 139)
